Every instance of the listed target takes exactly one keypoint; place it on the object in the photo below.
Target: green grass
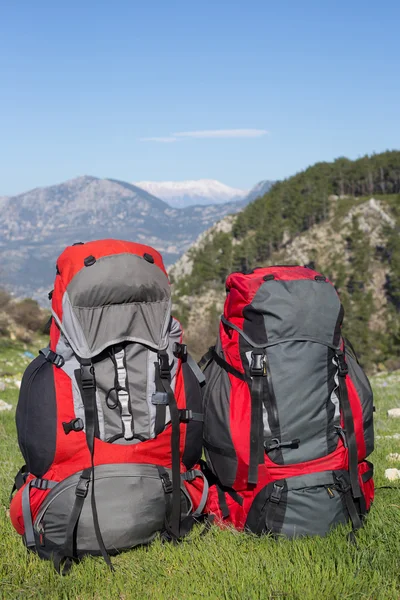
(222, 564)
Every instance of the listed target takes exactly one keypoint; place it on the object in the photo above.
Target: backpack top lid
(110, 291)
(283, 302)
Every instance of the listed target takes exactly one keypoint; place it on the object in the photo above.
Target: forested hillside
(324, 217)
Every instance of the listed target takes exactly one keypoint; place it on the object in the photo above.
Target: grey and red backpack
(110, 416)
(288, 411)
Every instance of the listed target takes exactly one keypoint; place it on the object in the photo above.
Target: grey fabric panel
(130, 503)
(110, 325)
(310, 510)
(366, 396)
(297, 308)
(71, 328)
(118, 279)
(119, 298)
(217, 422)
(299, 375)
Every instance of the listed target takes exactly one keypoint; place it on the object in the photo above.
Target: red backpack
(288, 411)
(109, 415)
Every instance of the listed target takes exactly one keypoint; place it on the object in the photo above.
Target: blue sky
(84, 84)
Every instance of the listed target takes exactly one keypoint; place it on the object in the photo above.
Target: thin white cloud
(163, 140)
(223, 133)
(208, 134)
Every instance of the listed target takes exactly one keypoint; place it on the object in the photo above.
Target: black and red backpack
(109, 415)
(288, 411)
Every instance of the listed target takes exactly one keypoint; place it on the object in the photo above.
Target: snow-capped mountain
(37, 225)
(181, 194)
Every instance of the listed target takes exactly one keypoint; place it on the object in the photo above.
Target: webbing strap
(123, 395)
(88, 391)
(255, 428)
(197, 372)
(348, 425)
(19, 480)
(352, 510)
(161, 409)
(174, 524)
(81, 491)
(39, 483)
(189, 476)
(227, 367)
(206, 358)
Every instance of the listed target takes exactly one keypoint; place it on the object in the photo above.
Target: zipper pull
(330, 491)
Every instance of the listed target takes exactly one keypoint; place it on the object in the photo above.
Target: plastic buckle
(180, 350)
(342, 365)
(344, 486)
(257, 364)
(74, 425)
(185, 415)
(87, 377)
(58, 361)
(82, 487)
(166, 483)
(276, 494)
(40, 484)
(189, 476)
(163, 361)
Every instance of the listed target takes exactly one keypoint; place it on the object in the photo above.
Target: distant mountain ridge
(181, 194)
(37, 225)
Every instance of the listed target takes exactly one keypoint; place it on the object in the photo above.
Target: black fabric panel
(194, 429)
(36, 416)
(217, 438)
(255, 518)
(254, 325)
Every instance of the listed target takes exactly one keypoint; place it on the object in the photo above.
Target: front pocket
(305, 505)
(131, 506)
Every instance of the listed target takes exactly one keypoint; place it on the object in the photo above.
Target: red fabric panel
(367, 488)
(70, 262)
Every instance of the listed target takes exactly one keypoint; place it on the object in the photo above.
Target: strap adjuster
(276, 493)
(257, 366)
(40, 484)
(82, 487)
(87, 377)
(189, 475)
(74, 425)
(180, 350)
(185, 415)
(166, 483)
(342, 365)
(163, 361)
(56, 359)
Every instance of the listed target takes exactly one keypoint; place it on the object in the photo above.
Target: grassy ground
(223, 564)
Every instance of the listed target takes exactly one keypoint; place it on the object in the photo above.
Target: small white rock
(395, 436)
(5, 406)
(2, 386)
(394, 413)
(392, 474)
(17, 382)
(393, 457)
